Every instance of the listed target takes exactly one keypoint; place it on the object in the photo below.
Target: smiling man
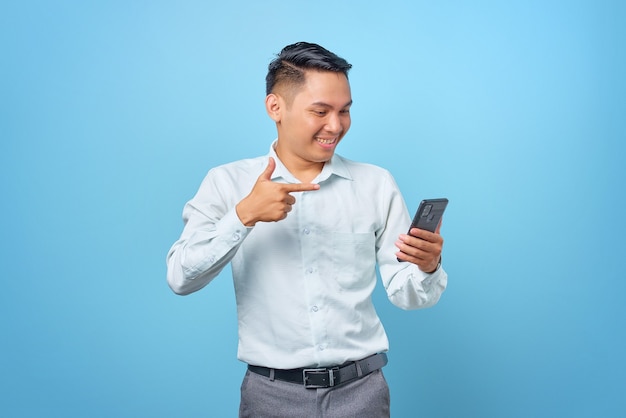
(304, 229)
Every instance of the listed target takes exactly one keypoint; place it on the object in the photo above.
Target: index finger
(423, 234)
(300, 187)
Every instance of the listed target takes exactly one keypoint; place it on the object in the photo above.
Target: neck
(305, 171)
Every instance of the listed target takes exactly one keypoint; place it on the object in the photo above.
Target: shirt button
(236, 236)
(315, 309)
(309, 270)
(212, 259)
(306, 231)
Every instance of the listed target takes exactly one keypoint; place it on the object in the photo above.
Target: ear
(273, 106)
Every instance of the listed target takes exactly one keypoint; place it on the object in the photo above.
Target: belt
(325, 377)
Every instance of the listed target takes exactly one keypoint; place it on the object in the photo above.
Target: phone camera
(426, 210)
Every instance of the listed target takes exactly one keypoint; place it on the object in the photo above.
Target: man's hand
(422, 248)
(269, 201)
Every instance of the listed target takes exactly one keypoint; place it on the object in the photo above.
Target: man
(304, 229)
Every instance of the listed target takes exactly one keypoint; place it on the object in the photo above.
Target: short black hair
(289, 65)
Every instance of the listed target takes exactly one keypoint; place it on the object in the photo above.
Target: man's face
(316, 118)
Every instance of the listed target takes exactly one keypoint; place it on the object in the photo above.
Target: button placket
(314, 284)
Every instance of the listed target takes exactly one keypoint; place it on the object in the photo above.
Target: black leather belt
(327, 376)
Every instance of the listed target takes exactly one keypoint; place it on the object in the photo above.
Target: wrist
(436, 268)
(243, 215)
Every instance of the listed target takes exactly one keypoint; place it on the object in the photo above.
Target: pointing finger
(300, 187)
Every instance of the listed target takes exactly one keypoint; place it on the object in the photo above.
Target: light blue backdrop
(112, 112)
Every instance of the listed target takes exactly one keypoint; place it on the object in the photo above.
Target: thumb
(267, 173)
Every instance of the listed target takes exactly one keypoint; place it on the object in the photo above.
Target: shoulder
(248, 166)
(234, 176)
(370, 178)
(229, 182)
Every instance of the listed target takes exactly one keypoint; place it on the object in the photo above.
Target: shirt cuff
(233, 229)
(428, 279)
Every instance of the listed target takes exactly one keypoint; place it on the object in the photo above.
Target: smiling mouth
(326, 141)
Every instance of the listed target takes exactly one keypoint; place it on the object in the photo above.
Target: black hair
(288, 67)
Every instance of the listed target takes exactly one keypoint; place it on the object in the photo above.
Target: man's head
(286, 73)
(309, 98)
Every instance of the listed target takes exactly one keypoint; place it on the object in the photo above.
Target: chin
(325, 157)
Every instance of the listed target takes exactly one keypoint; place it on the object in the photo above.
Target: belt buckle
(329, 382)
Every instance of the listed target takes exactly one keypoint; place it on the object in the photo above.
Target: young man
(304, 229)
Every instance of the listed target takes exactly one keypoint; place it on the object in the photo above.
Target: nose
(334, 123)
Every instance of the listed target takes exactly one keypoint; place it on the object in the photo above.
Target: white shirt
(303, 285)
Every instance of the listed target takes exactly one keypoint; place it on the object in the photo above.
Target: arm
(419, 282)
(207, 244)
(215, 227)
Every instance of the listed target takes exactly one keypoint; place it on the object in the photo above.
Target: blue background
(112, 112)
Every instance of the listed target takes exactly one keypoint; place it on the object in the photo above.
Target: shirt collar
(335, 166)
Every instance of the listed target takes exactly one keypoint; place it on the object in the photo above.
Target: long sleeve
(210, 238)
(406, 285)
(193, 262)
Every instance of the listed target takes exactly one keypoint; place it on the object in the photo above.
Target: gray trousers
(367, 397)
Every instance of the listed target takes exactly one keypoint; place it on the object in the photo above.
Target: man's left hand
(422, 248)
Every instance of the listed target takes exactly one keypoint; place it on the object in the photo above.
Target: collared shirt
(303, 285)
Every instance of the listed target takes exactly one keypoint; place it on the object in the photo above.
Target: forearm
(407, 286)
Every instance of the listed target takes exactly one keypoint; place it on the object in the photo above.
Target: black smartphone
(428, 214)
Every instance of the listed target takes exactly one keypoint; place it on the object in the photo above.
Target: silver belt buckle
(309, 385)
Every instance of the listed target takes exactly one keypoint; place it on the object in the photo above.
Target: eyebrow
(322, 104)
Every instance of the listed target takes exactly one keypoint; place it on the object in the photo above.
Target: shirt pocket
(354, 259)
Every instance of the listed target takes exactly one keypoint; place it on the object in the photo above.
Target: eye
(345, 111)
(320, 112)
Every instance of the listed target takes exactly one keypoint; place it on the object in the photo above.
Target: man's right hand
(269, 201)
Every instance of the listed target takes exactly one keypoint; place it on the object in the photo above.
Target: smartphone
(428, 214)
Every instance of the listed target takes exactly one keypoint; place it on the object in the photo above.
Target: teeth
(326, 141)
